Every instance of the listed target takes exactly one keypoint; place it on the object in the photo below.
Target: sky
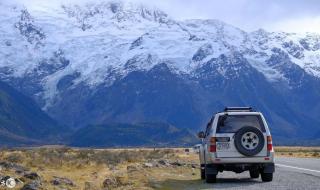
(273, 15)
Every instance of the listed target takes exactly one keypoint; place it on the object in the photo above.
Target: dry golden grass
(124, 168)
(88, 168)
(304, 152)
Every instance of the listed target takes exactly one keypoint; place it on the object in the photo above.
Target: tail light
(213, 146)
(269, 143)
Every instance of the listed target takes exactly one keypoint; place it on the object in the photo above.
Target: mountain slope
(22, 121)
(143, 134)
(156, 95)
(121, 62)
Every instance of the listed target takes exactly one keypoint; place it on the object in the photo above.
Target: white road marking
(293, 167)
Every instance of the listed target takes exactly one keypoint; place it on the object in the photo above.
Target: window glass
(209, 126)
(232, 123)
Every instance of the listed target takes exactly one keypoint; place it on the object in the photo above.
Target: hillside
(120, 62)
(22, 122)
(132, 135)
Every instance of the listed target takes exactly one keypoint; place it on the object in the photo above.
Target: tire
(266, 177)
(210, 173)
(240, 139)
(202, 173)
(211, 178)
(254, 173)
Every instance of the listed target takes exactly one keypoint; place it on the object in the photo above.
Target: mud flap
(268, 168)
(211, 169)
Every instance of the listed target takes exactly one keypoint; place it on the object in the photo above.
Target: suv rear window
(232, 123)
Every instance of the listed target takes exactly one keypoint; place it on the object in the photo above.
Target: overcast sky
(272, 15)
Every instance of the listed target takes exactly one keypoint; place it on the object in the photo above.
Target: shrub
(14, 157)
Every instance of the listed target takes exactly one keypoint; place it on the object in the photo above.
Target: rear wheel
(203, 173)
(210, 173)
(254, 173)
(211, 178)
(266, 177)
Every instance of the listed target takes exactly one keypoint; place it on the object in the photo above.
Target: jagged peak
(118, 10)
(260, 32)
(25, 16)
(210, 22)
(32, 33)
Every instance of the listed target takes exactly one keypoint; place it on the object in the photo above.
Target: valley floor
(67, 168)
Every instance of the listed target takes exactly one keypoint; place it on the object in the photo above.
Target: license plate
(223, 146)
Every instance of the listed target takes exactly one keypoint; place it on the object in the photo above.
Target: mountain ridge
(115, 62)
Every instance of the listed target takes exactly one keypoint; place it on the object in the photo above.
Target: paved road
(303, 163)
(291, 173)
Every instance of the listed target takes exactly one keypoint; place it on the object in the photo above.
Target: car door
(207, 139)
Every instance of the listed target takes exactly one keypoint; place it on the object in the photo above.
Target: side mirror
(201, 135)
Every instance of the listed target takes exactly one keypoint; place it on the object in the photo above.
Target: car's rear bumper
(224, 160)
(240, 167)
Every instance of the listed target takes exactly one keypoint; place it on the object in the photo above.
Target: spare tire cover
(249, 140)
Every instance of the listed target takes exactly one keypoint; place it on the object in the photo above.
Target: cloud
(285, 15)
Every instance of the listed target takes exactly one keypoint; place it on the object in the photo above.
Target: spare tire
(249, 140)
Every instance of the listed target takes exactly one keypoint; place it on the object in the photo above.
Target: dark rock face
(202, 52)
(115, 7)
(33, 34)
(308, 45)
(136, 43)
(293, 49)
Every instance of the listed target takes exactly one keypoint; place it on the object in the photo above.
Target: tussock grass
(298, 151)
(58, 157)
(89, 168)
(86, 167)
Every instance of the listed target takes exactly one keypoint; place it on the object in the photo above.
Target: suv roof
(238, 109)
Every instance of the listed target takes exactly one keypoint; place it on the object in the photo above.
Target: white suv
(237, 139)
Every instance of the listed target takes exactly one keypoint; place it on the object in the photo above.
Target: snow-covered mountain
(81, 63)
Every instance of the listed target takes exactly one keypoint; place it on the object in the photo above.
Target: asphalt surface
(291, 173)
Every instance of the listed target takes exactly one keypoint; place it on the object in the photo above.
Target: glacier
(107, 40)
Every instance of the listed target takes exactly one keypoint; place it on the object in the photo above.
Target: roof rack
(237, 109)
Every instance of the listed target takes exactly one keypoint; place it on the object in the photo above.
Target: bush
(14, 158)
(59, 157)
